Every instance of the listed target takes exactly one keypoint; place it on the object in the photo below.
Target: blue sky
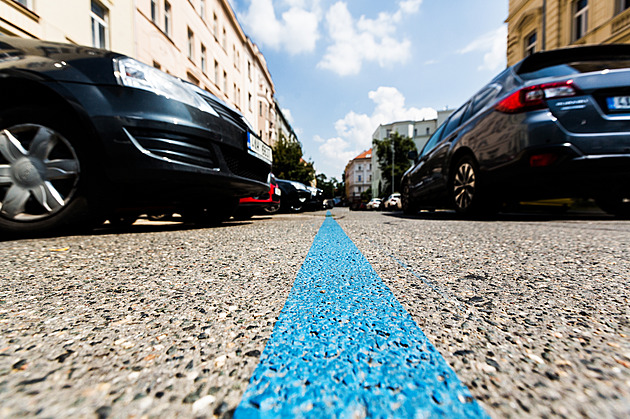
(342, 67)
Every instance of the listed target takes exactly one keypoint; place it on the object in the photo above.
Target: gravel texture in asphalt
(170, 321)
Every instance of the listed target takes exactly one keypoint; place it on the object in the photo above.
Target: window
(428, 131)
(225, 83)
(224, 40)
(580, 19)
(202, 9)
(98, 17)
(249, 101)
(249, 69)
(203, 58)
(216, 72)
(359, 178)
(483, 98)
(454, 121)
(433, 140)
(191, 44)
(530, 44)
(26, 3)
(154, 11)
(157, 65)
(260, 109)
(167, 18)
(622, 5)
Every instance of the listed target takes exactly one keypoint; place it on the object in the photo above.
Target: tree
(289, 164)
(402, 147)
(330, 187)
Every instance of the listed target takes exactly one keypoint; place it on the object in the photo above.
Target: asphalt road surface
(530, 311)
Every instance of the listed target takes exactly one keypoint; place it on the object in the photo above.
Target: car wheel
(408, 206)
(272, 209)
(615, 205)
(42, 173)
(465, 188)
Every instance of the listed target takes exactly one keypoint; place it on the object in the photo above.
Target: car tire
(272, 209)
(44, 173)
(465, 189)
(615, 205)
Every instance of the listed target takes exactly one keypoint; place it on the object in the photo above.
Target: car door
(418, 175)
(435, 165)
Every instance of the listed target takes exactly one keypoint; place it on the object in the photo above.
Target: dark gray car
(555, 125)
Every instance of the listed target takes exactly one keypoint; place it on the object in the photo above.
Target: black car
(555, 125)
(88, 135)
(295, 195)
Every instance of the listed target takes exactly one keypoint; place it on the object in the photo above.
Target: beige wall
(605, 24)
(241, 80)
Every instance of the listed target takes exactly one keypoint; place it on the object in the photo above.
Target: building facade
(539, 25)
(418, 131)
(358, 175)
(197, 40)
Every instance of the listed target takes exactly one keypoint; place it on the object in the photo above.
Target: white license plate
(258, 148)
(618, 103)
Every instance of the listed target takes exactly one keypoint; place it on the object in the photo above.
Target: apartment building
(418, 131)
(539, 25)
(197, 40)
(359, 174)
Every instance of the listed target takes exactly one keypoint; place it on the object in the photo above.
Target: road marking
(343, 346)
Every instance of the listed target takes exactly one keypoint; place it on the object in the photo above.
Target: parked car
(328, 204)
(316, 200)
(267, 203)
(392, 202)
(374, 204)
(295, 195)
(554, 125)
(89, 134)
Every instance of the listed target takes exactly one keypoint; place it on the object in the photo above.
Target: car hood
(55, 61)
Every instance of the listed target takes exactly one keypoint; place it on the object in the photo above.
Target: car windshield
(576, 67)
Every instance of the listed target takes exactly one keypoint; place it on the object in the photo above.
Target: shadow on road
(516, 216)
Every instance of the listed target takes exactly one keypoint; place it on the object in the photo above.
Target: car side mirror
(412, 155)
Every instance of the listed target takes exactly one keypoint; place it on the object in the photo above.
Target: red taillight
(542, 160)
(534, 97)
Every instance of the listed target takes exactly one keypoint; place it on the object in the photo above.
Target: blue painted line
(344, 347)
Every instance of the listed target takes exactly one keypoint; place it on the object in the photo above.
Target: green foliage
(383, 149)
(288, 162)
(331, 188)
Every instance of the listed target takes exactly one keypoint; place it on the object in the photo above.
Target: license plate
(619, 103)
(258, 148)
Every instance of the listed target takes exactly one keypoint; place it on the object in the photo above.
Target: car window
(483, 98)
(454, 120)
(433, 140)
(577, 67)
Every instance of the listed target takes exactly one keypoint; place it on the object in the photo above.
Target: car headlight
(133, 73)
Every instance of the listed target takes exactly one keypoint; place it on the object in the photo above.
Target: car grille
(244, 165)
(176, 147)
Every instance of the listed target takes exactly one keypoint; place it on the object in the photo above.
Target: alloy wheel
(464, 186)
(39, 172)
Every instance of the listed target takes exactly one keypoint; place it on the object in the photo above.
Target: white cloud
(287, 114)
(354, 131)
(296, 30)
(371, 40)
(493, 46)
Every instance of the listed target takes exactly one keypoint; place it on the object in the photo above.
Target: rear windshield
(576, 67)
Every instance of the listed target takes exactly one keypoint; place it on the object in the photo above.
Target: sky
(343, 67)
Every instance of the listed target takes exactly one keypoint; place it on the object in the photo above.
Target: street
(529, 310)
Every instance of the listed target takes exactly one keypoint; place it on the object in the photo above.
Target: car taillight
(535, 97)
(542, 160)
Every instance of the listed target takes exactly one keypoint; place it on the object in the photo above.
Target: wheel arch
(457, 156)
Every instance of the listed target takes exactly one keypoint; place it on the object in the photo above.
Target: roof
(365, 155)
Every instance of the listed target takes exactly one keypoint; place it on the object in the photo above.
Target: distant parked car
(295, 195)
(374, 204)
(316, 201)
(393, 202)
(88, 135)
(267, 203)
(554, 125)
